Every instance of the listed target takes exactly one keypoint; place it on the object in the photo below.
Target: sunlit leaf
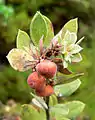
(71, 26)
(50, 31)
(19, 59)
(23, 40)
(68, 88)
(38, 28)
(75, 108)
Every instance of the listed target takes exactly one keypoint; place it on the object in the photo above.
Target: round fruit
(47, 68)
(36, 81)
(47, 91)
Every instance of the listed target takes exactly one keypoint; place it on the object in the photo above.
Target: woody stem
(47, 110)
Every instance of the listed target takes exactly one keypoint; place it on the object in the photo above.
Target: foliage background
(17, 14)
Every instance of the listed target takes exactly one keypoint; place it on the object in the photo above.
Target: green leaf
(19, 59)
(76, 58)
(59, 111)
(53, 100)
(23, 40)
(50, 31)
(67, 89)
(71, 26)
(62, 79)
(38, 28)
(75, 108)
(29, 112)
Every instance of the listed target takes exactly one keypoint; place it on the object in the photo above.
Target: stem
(47, 110)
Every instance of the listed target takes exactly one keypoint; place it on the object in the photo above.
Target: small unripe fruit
(47, 68)
(36, 81)
(46, 92)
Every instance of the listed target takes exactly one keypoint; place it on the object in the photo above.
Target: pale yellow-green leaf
(71, 26)
(18, 59)
(68, 88)
(76, 58)
(22, 40)
(75, 108)
(53, 100)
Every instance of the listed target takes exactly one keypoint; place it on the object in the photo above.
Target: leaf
(38, 28)
(19, 59)
(59, 111)
(69, 38)
(75, 108)
(67, 89)
(40, 104)
(53, 100)
(23, 40)
(76, 58)
(50, 31)
(29, 112)
(40, 101)
(67, 79)
(76, 49)
(71, 26)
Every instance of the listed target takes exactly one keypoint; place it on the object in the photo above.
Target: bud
(47, 68)
(46, 92)
(36, 81)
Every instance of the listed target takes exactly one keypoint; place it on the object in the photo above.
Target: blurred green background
(17, 14)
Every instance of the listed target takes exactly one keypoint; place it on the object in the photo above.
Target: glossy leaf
(50, 32)
(38, 28)
(19, 59)
(23, 40)
(68, 88)
(75, 108)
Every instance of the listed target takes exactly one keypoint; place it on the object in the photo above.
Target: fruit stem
(47, 110)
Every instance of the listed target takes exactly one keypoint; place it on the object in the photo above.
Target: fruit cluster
(39, 79)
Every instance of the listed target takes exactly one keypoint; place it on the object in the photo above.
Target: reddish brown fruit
(36, 81)
(47, 68)
(46, 92)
